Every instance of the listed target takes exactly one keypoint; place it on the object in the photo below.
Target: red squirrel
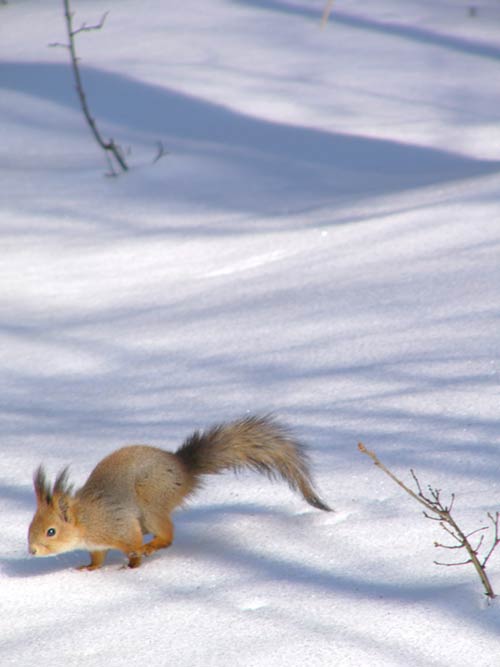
(133, 491)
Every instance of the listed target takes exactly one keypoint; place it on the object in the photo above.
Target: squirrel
(132, 492)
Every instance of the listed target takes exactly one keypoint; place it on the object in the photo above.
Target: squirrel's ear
(64, 505)
(42, 488)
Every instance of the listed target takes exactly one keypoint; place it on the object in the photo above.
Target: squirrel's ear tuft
(61, 486)
(61, 495)
(49, 496)
(42, 488)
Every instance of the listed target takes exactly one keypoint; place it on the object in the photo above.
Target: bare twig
(109, 146)
(88, 28)
(326, 13)
(418, 497)
(160, 152)
(434, 505)
(463, 562)
(496, 537)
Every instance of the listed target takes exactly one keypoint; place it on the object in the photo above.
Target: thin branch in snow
(160, 152)
(437, 510)
(496, 537)
(88, 28)
(326, 13)
(115, 156)
(111, 149)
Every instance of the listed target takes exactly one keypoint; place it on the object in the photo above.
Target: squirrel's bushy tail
(258, 443)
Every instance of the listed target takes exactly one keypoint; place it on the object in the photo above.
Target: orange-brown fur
(133, 491)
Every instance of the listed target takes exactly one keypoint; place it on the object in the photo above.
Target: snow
(321, 241)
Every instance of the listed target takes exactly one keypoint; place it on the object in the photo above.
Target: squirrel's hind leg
(131, 544)
(162, 529)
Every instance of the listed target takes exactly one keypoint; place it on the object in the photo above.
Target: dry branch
(111, 149)
(161, 151)
(437, 510)
(326, 12)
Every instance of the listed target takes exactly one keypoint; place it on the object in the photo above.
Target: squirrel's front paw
(89, 568)
(134, 560)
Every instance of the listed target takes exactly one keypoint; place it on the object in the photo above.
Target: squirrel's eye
(51, 532)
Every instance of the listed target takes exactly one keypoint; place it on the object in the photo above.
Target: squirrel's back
(139, 474)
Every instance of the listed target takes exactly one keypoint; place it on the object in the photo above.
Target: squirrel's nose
(32, 550)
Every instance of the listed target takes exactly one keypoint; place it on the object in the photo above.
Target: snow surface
(322, 241)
